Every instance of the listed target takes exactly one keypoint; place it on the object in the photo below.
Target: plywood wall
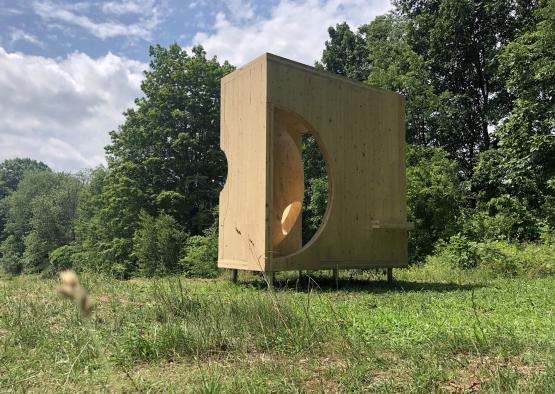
(361, 134)
(243, 225)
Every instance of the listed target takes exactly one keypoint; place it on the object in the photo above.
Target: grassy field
(424, 333)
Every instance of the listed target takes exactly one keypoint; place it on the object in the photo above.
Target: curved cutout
(290, 217)
(289, 183)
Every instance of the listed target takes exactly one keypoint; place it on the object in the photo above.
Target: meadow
(427, 332)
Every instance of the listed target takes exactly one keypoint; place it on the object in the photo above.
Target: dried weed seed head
(70, 287)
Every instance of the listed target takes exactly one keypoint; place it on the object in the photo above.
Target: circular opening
(300, 183)
(288, 186)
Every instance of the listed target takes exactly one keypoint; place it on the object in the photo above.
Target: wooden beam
(234, 275)
(389, 275)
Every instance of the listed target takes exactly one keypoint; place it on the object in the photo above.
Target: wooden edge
(323, 73)
(240, 70)
(241, 265)
(326, 74)
(321, 265)
(345, 265)
(391, 225)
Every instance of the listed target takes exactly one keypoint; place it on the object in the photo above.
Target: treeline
(479, 78)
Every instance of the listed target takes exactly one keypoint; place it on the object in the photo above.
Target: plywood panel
(243, 211)
(361, 129)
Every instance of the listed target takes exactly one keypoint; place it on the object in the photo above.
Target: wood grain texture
(244, 140)
(266, 105)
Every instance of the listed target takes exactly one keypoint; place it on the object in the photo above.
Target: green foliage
(91, 231)
(52, 223)
(462, 41)
(458, 252)
(158, 244)
(527, 137)
(345, 53)
(166, 155)
(394, 65)
(39, 218)
(435, 196)
(502, 218)
(12, 171)
(315, 187)
(164, 160)
(63, 258)
(316, 201)
(201, 254)
(496, 258)
(11, 250)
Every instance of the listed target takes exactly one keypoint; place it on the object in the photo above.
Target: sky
(68, 69)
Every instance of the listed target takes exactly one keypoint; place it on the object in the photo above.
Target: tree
(345, 53)
(158, 244)
(164, 159)
(394, 65)
(435, 197)
(315, 187)
(52, 223)
(39, 218)
(12, 171)
(527, 137)
(463, 40)
(514, 182)
(201, 254)
(169, 145)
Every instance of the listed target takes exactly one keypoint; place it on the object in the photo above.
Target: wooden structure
(266, 105)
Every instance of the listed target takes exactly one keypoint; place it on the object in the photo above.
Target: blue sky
(68, 69)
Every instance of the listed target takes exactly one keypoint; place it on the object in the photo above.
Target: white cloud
(143, 27)
(61, 110)
(20, 35)
(9, 11)
(240, 10)
(127, 7)
(296, 30)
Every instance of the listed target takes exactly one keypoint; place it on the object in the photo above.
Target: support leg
(234, 275)
(270, 278)
(390, 275)
(335, 273)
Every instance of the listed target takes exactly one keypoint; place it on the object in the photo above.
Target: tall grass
(211, 336)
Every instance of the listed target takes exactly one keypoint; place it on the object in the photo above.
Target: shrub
(10, 250)
(459, 252)
(529, 259)
(63, 258)
(502, 218)
(435, 195)
(201, 254)
(496, 258)
(158, 244)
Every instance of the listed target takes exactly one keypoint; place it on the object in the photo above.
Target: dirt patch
(475, 371)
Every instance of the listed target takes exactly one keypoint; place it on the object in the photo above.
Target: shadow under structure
(266, 107)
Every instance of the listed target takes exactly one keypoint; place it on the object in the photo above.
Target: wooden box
(266, 105)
